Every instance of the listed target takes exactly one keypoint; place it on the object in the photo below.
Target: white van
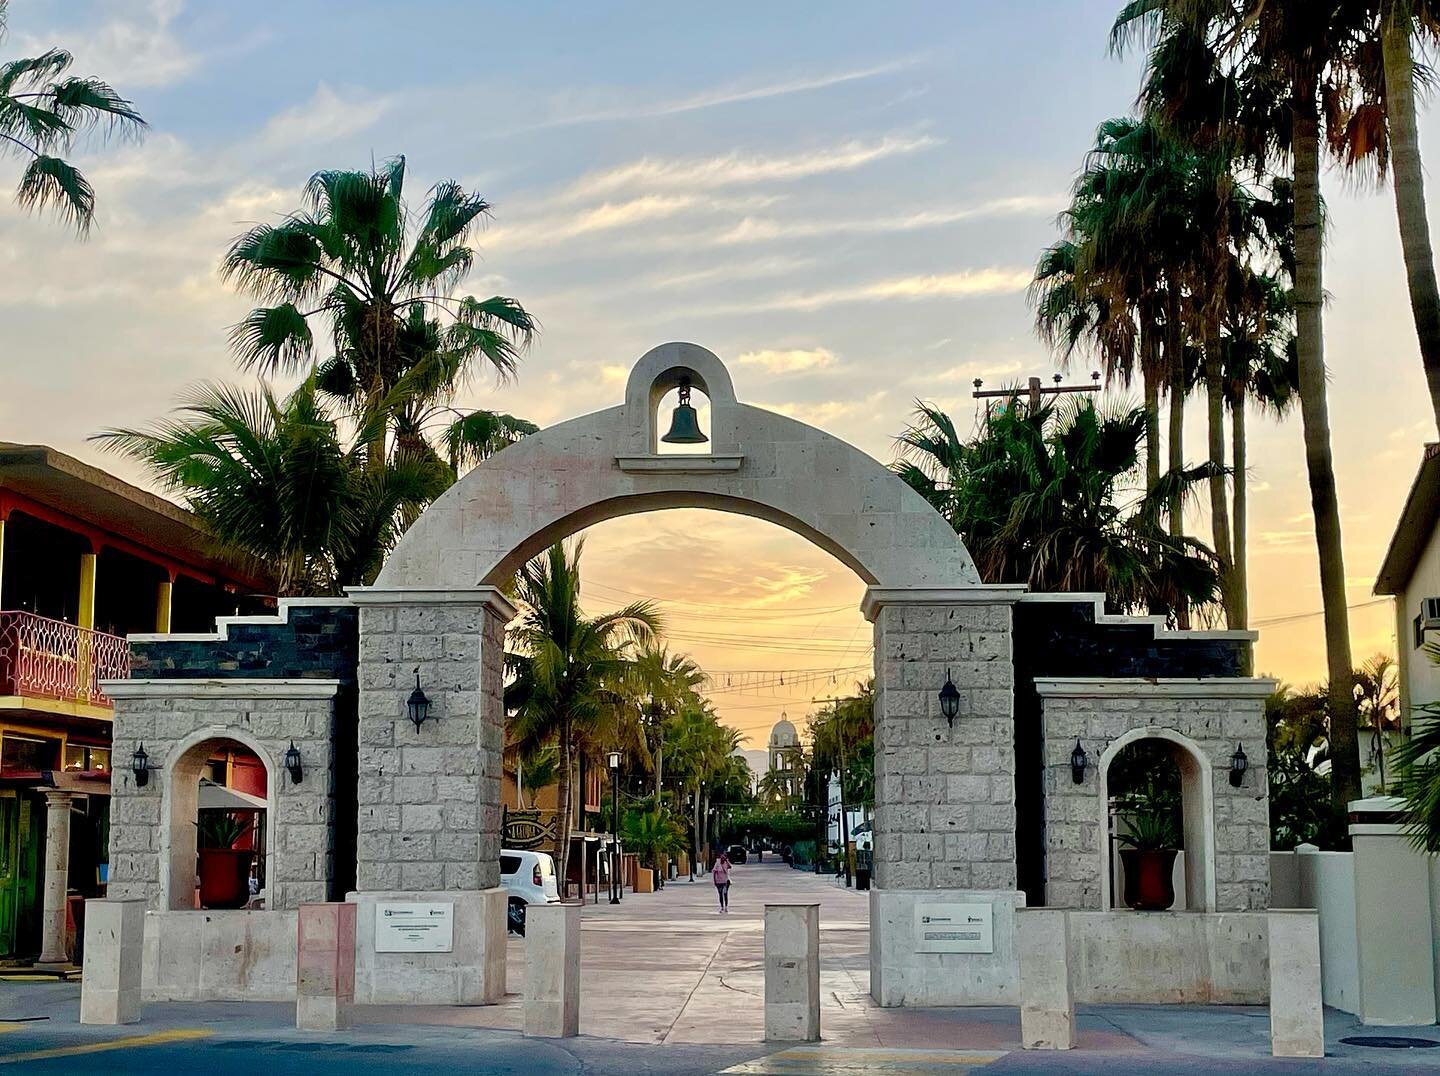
(529, 878)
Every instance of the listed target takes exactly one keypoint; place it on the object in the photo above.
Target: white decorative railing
(52, 659)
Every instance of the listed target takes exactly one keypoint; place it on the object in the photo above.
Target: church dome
(784, 734)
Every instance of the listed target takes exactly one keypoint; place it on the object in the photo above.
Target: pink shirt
(721, 871)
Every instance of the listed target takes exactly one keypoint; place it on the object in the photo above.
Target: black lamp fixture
(140, 766)
(684, 422)
(1238, 765)
(418, 705)
(949, 700)
(292, 763)
(1078, 761)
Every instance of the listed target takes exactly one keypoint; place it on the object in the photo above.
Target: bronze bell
(684, 423)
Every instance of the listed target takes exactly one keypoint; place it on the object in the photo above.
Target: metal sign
(414, 927)
(954, 928)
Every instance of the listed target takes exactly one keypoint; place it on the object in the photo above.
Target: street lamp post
(614, 827)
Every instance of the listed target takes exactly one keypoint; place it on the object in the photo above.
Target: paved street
(671, 986)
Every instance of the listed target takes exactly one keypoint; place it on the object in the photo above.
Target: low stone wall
(901, 976)
(219, 956)
(1136, 958)
(472, 972)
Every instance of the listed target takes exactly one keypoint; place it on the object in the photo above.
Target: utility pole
(1036, 390)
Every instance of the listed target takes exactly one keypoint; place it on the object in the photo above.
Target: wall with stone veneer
(1211, 717)
(164, 716)
(429, 799)
(944, 796)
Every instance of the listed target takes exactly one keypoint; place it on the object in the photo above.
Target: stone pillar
(57, 877)
(552, 972)
(325, 967)
(114, 946)
(1047, 1003)
(1392, 923)
(944, 791)
(429, 798)
(1297, 1017)
(792, 972)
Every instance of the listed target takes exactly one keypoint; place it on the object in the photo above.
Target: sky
(844, 202)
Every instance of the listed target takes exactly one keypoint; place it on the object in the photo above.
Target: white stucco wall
(1419, 675)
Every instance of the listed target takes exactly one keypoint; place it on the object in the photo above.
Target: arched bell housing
(684, 423)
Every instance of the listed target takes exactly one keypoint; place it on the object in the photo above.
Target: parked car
(736, 853)
(529, 878)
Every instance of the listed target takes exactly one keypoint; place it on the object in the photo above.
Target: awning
(215, 797)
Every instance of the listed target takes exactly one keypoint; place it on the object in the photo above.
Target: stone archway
(429, 798)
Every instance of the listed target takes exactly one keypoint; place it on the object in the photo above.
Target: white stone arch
(180, 802)
(602, 465)
(1197, 796)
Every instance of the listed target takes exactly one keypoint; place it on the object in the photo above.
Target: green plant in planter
(1150, 830)
(219, 829)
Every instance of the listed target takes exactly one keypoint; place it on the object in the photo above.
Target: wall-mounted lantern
(418, 705)
(1078, 761)
(292, 763)
(949, 700)
(1238, 765)
(140, 766)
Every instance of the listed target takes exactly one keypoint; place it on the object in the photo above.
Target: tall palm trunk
(1219, 507)
(1175, 364)
(1149, 377)
(1315, 418)
(1409, 180)
(1239, 570)
(562, 826)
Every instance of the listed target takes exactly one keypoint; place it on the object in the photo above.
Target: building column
(164, 596)
(57, 877)
(2, 560)
(85, 611)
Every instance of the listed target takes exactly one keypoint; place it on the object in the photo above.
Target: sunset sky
(844, 202)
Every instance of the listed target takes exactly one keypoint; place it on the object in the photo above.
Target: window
(509, 864)
(28, 754)
(83, 757)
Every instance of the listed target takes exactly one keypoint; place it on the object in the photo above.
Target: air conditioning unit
(1430, 614)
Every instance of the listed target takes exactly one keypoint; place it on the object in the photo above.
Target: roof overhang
(98, 499)
(1415, 527)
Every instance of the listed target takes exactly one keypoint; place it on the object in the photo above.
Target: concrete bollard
(1297, 1017)
(114, 946)
(792, 973)
(1047, 1003)
(325, 967)
(552, 966)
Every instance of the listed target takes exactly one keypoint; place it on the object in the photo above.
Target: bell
(684, 423)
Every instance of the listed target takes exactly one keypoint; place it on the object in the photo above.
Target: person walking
(720, 875)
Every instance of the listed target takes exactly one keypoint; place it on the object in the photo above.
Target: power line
(1290, 618)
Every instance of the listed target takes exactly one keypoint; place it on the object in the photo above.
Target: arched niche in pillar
(179, 814)
(1197, 804)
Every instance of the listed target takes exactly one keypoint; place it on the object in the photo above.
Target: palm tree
(1054, 498)
(1279, 59)
(273, 478)
(44, 110)
(1399, 21)
(671, 681)
(380, 282)
(569, 670)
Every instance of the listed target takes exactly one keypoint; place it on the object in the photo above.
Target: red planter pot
(225, 877)
(1149, 879)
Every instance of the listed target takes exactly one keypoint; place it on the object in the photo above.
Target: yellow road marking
(155, 1039)
(11, 1025)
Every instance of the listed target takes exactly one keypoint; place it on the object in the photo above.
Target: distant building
(85, 559)
(785, 755)
(1411, 574)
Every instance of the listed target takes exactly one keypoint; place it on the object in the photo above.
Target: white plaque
(414, 928)
(954, 928)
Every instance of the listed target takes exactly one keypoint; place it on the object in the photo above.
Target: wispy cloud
(747, 269)
(761, 229)
(136, 46)
(793, 360)
(326, 117)
(730, 94)
(544, 229)
(736, 169)
(964, 284)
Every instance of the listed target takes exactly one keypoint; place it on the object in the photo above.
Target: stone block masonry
(944, 792)
(428, 799)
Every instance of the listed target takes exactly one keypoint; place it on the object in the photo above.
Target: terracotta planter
(644, 880)
(1149, 879)
(225, 877)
